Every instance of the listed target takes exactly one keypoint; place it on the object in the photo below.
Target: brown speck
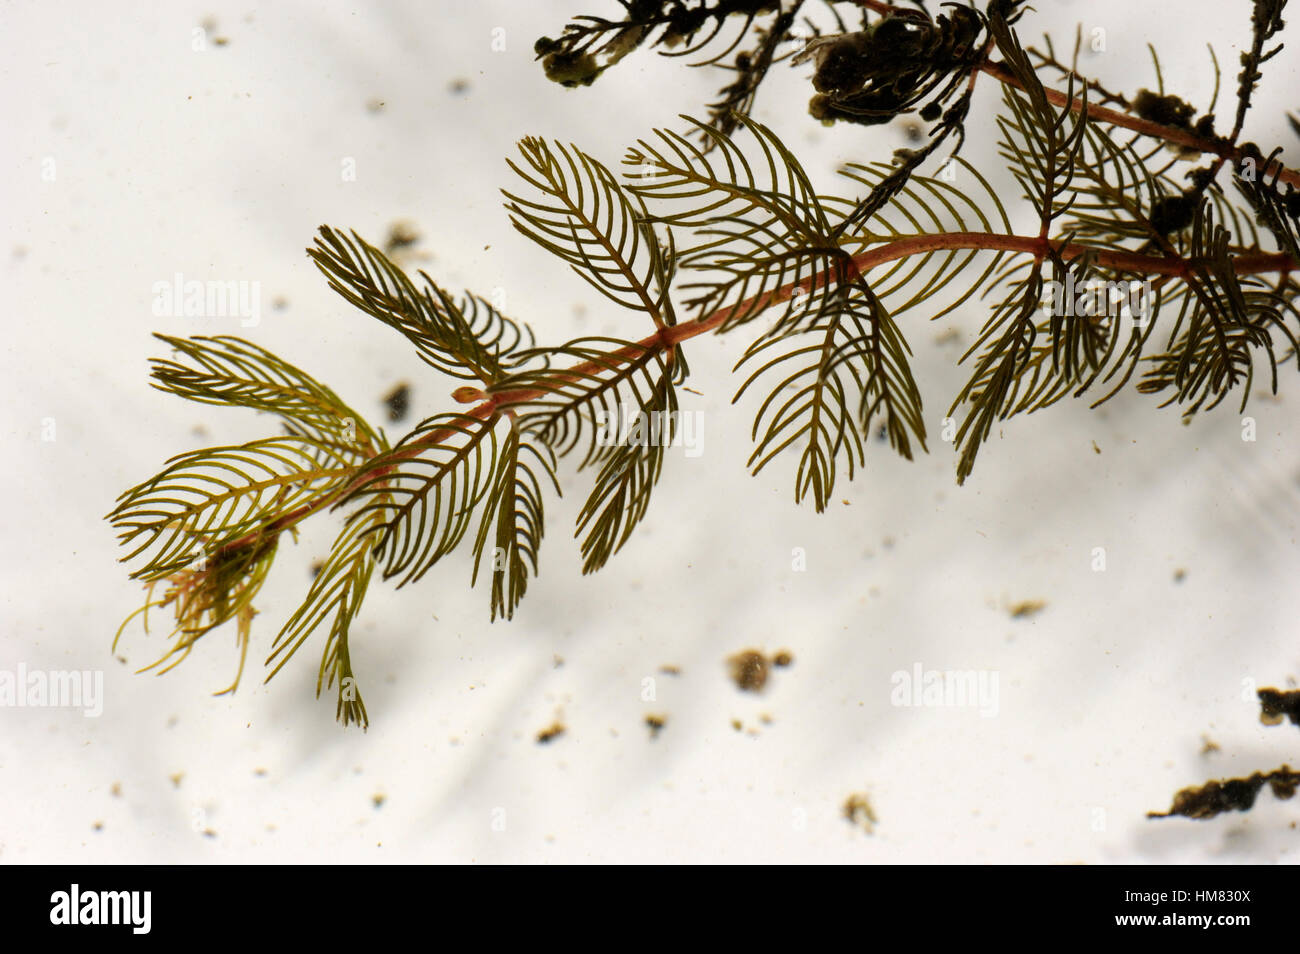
(98, 826)
(1179, 575)
(783, 658)
(857, 809)
(375, 105)
(1095, 447)
(316, 566)
(656, 724)
(378, 800)
(555, 730)
(220, 40)
(209, 833)
(1208, 745)
(260, 772)
(749, 670)
(176, 779)
(1027, 608)
(736, 724)
(398, 401)
(670, 670)
(401, 234)
(557, 660)
(279, 303)
(765, 718)
(458, 87)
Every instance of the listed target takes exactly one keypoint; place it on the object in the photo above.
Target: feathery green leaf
(514, 507)
(470, 340)
(586, 218)
(417, 500)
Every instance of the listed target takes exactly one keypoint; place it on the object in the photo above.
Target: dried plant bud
(842, 63)
(1166, 110)
(1173, 213)
(468, 394)
(873, 75)
(571, 69)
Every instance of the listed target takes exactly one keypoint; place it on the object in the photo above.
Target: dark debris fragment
(749, 670)
(398, 401)
(1234, 794)
(549, 734)
(1277, 704)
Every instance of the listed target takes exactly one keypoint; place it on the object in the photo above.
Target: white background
(221, 163)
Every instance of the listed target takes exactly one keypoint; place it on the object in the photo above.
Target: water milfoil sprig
(720, 230)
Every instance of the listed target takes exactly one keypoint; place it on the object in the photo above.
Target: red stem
(1171, 134)
(668, 338)
(888, 252)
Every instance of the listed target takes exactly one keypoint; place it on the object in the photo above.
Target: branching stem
(664, 339)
